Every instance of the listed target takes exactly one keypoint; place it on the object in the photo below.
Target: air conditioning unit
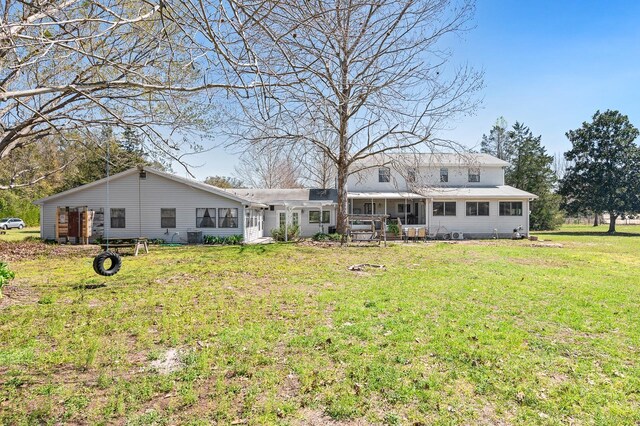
(457, 235)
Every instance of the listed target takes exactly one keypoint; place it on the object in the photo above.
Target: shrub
(393, 228)
(321, 236)
(230, 240)
(292, 232)
(6, 274)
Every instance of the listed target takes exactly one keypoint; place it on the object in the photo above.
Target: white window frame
(474, 175)
(384, 174)
(326, 213)
(214, 217)
(444, 209)
(477, 203)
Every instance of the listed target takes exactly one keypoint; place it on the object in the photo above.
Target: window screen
(118, 218)
(167, 218)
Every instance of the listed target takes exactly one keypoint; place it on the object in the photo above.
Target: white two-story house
(461, 194)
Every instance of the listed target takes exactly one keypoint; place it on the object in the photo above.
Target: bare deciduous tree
(70, 66)
(268, 167)
(372, 73)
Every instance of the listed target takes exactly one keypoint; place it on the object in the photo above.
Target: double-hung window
(167, 218)
(411, 175)
(474, 175)
(384, 174)
(444, 175)
(118, 218)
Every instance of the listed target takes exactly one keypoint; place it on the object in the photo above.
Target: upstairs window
(480, 208)
(205, 218)
(228, 218)
(314, 216)
(167, 218)
(474, 175)
(444, 175)
(384, 174)
(411, 175)
(444, 208)
(510, 208)
(118, 218)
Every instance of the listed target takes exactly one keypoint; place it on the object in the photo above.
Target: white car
(11, 222)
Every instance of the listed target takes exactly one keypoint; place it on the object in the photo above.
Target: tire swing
(99, 260)
(99, 263)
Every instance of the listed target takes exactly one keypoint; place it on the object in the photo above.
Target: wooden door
(74, 223)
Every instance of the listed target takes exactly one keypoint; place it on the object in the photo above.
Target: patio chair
(422, 234)
(411, 233)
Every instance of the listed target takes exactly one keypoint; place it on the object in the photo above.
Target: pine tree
(532, 170)
(496, 142)
(604, 171)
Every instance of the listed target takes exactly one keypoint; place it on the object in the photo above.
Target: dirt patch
(169, 362)
(310, 417)
(30, 250)
(549, 245)
(13, 294)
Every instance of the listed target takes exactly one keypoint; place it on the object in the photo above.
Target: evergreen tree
(496, 142)
(604, 171)
(532, 170)
(92, 164)
(224, 182)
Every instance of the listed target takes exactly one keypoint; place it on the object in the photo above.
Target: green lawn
(20, 234)
(493, 332)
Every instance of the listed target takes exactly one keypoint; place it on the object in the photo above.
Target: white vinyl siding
(142, 214)
(479, 225)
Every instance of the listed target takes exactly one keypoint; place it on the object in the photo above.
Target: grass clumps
(470, 332)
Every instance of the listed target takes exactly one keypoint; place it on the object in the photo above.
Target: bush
(393, 228)
(6, 274)
(321, 236)
(292, 232)
(230, 240)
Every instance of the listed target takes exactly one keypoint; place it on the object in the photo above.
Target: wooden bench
(118, 243)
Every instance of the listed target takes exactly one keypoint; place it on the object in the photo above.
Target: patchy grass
(491, 332)
(20, 234)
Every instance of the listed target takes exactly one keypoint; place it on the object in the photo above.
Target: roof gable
(189, 182)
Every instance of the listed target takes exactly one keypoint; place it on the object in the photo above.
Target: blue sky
(549, 64)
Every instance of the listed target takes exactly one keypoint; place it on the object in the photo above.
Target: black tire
(98, 263)
(20, 227)
(5, 227)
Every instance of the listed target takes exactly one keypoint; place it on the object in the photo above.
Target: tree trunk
(596, 222)
(343, 204)
(612, 223)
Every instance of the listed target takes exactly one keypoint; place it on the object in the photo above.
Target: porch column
(405, 211)
(319, 223)
(385, 206)
(426, 210)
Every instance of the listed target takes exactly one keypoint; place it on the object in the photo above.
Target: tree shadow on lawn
(591, 234)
